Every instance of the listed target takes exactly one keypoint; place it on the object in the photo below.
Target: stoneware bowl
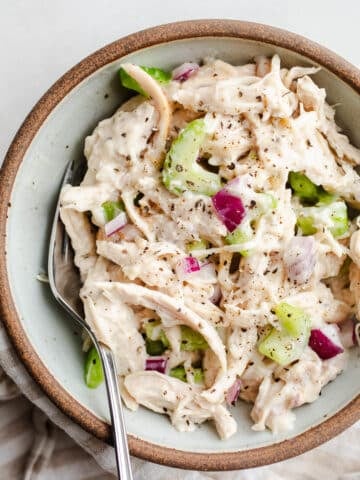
(43, 336)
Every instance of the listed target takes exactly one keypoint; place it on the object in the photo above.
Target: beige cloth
(40, 443)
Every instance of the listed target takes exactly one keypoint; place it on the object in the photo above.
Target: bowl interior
(34, 194)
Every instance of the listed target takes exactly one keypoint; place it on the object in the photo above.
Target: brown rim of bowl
(62, 399)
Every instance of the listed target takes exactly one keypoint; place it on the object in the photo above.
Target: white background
(41, 39)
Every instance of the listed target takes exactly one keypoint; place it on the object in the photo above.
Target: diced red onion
(216, 296)
(229, 208)
(233, 393)
(191, 264)
(300, 259)
(347, 332)
(158, 364)
(186, 267)
(115, 224)
(184, 71)
(326, 342)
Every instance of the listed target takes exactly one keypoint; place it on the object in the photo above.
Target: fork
(65, 285)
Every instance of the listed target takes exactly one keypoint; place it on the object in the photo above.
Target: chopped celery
(159, 75)
(306, 190)
(303, 186)
(325, 198)
(154, 347)
(265, 202)
(128, 82)
(112, 210)
(93, 371)
(332, 216)
(286, 345)
(180, 373)
(181, 171)
(243, 234)
(260, 204)
(339, 219)
(293, 319)
(283, 349)
(154, 333)
(306, 225)
(197, 245)
(198, 375)
(192, 340)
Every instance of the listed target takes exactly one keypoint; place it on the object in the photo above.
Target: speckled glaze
(14, 188)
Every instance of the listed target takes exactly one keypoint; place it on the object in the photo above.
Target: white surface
(41, 39)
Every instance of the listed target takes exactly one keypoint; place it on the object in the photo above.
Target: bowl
(45, 339)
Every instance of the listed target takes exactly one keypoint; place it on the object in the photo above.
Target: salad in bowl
(217, 235)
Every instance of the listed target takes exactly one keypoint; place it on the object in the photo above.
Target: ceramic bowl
(43, 336)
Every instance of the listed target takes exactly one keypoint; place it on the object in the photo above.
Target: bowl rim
(254, 457)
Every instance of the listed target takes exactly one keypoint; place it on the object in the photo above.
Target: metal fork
(65, 285)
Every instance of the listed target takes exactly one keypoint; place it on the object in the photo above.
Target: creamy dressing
(262, 122)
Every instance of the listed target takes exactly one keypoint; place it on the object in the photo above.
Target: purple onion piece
(325, 343)
(184, 71)
(300, 259)
(115, 224)
(233, 392)
(190, 265)
(156, 364)
(229, 208)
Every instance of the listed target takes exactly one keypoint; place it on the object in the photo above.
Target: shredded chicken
(261, 121)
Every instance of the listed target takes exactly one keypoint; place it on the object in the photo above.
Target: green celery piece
(283, 349)
(266, 202)
(198, 375)
(179, 373)
(112, 209)
(339, 217)
(286, 345)
(303, 186)
(181, 171)
(293, 319)
(333, 216)
(325, 198)
(93, 371)
(192, 340)
(150, 334)
(306, 225)
(242, 234)
(128, 82)
(161, 76)
(154, 347)
(197, 245)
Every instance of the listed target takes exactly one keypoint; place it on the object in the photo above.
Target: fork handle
(116, 413)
